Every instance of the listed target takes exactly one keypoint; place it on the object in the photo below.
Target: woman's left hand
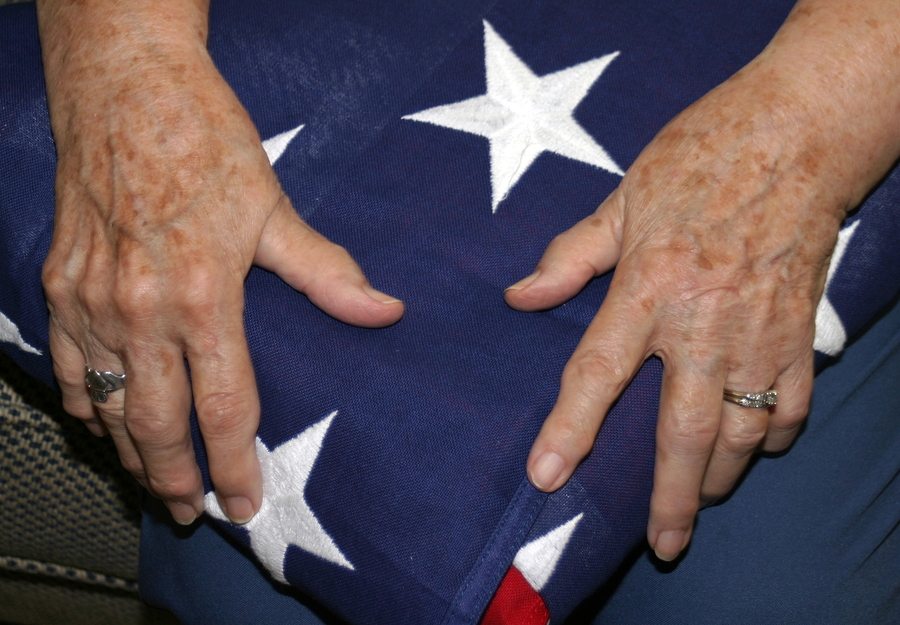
(721, 233)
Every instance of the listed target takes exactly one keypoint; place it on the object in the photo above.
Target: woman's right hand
(164, 200)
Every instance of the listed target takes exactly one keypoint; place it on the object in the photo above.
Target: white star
(9, 333)
(276, 146)
(830, 333)
(284, 518)
(523, 114)
(537, 560)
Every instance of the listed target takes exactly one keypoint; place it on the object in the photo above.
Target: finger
(325, 272)
(588, 249)
(112, 412)
(690, 408)
(794, 388)
(157, 407)
(227, 410)
(96, 427)
(68, 368)
(741, 431)
(611, 350)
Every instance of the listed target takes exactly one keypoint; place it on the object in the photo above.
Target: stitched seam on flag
(486, 574)
(601, 524)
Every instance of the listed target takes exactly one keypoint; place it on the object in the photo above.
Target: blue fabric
(809, 537)
(202, 578)
(420, 480)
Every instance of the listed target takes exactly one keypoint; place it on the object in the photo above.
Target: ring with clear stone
(762, 399)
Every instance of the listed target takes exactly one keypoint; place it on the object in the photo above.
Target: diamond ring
(764, 399)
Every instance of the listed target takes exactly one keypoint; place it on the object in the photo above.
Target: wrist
(88, 32)
(96, 50)
(835, 68)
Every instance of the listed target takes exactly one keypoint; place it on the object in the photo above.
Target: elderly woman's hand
(721, 232)
(165, 198)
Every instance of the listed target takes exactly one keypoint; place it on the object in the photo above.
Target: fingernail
(378, 296)
(669, 544)
(524, 282)
(547, 469)
(239, 509)
(182, 513)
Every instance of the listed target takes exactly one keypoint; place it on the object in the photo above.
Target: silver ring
(101, 383)
(763, 399)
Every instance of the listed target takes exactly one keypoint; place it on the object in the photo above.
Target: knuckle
(743, 436)
(223, 415)
(70, 378)
(148, 430)
(171, 486)
(778, 440)
(93, 297)
(711, 494)
(111, 412)
(57, 286)
(572, 436)
(78, 409)
(597, 372)
(137, 297)
(688, 432)
(341, 254)
(559, 242)
(340, 264)
(200, 294)
(671, 509)
(134, 466)
(205, 340)
(560, 247)
(790, 418)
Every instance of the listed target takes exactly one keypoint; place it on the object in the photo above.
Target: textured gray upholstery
(69, 519)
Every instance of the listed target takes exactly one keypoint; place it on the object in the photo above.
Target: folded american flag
(409, 132)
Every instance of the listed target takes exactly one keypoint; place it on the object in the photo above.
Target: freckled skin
(721, 230)
(165, 198)
(720, 234)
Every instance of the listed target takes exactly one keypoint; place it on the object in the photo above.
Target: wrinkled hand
(721, 233)
(165, 198)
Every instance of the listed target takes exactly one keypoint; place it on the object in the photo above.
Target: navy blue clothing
(809, 537)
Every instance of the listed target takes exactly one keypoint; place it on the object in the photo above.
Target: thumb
(322, 270)
(586, 250)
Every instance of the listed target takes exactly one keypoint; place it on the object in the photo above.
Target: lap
(202, 578)
(808, 537)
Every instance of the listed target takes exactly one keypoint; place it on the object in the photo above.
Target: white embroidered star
(537, 560)
(830, 333)
(276, 146)
(285, 518)
(524, 115)
(9, 333)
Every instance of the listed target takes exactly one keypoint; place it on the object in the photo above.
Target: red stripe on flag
(516, 603)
